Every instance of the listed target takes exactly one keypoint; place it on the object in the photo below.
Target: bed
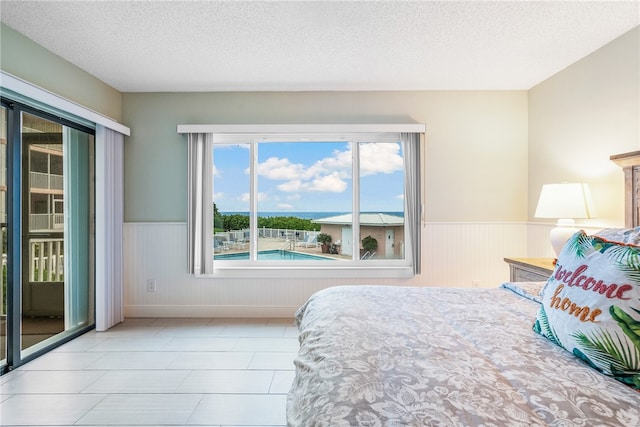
(400, 356)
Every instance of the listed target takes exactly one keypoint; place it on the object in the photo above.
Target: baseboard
(237, 311)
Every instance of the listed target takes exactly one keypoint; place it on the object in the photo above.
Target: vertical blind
(109, 228)
(413, 191)
(200, 207)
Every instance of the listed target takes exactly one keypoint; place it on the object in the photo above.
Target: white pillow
(629, 236)
(591, 305)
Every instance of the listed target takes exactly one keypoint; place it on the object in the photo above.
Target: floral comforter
(398, 356)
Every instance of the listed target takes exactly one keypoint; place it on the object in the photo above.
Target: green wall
(475, 157)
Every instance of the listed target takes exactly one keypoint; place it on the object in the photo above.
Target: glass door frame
(14, 206)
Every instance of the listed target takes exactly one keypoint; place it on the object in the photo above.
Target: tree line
(223, 222)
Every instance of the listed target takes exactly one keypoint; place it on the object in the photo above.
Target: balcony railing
(46, 264)
(46, 222)
(45, 181)
(46, 258)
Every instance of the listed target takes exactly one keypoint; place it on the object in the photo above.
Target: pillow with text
(591, 305)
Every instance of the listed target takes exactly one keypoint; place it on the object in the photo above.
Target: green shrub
(324, 238)
(369, 243)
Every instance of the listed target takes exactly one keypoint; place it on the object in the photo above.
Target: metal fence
(283, 234)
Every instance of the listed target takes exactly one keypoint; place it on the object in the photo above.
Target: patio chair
(240, 243)
(310, 242)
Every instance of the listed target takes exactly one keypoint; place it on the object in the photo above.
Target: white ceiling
(169, 46)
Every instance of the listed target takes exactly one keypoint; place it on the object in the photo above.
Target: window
(299, 201)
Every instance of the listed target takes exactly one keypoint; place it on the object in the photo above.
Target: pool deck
(268, 244)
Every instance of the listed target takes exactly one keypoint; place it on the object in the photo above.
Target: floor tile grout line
(260, 345)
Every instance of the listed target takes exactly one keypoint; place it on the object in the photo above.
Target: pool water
(272, 255)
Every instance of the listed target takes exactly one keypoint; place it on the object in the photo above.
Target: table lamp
(565, 202)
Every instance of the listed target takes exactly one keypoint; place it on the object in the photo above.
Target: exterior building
(46, 187)
(387, 229)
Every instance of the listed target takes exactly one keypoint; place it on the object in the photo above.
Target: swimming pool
(272, 255)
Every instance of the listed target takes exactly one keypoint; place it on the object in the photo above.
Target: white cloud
(279, 169)
(380, 158)
(284, 206)
(218, 196)
(291, 186)
(331, 174)
(244, 197)
(400, 196)
(327, 183)
(332, 183)
(340, 162)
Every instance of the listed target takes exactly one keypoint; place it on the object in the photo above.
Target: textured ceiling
(143, 46)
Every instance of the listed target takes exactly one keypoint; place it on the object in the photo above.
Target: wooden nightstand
(530, 269)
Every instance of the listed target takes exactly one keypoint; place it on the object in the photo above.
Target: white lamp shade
(565, 201)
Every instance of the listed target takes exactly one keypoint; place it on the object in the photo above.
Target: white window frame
(226, 134)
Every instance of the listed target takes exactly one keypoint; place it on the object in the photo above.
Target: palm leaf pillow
(591, 305)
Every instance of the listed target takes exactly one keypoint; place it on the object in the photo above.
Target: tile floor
(160, 372)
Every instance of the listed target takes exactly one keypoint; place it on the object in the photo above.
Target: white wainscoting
(454, 255)
(468, 254)
(157, 251)
(538, 245)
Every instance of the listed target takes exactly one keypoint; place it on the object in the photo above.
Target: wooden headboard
(630, 164)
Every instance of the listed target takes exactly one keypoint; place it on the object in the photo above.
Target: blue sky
(309, 177)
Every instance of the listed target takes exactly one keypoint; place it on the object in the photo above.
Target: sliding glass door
(50, 281)
(3, 236)
(42, 231)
